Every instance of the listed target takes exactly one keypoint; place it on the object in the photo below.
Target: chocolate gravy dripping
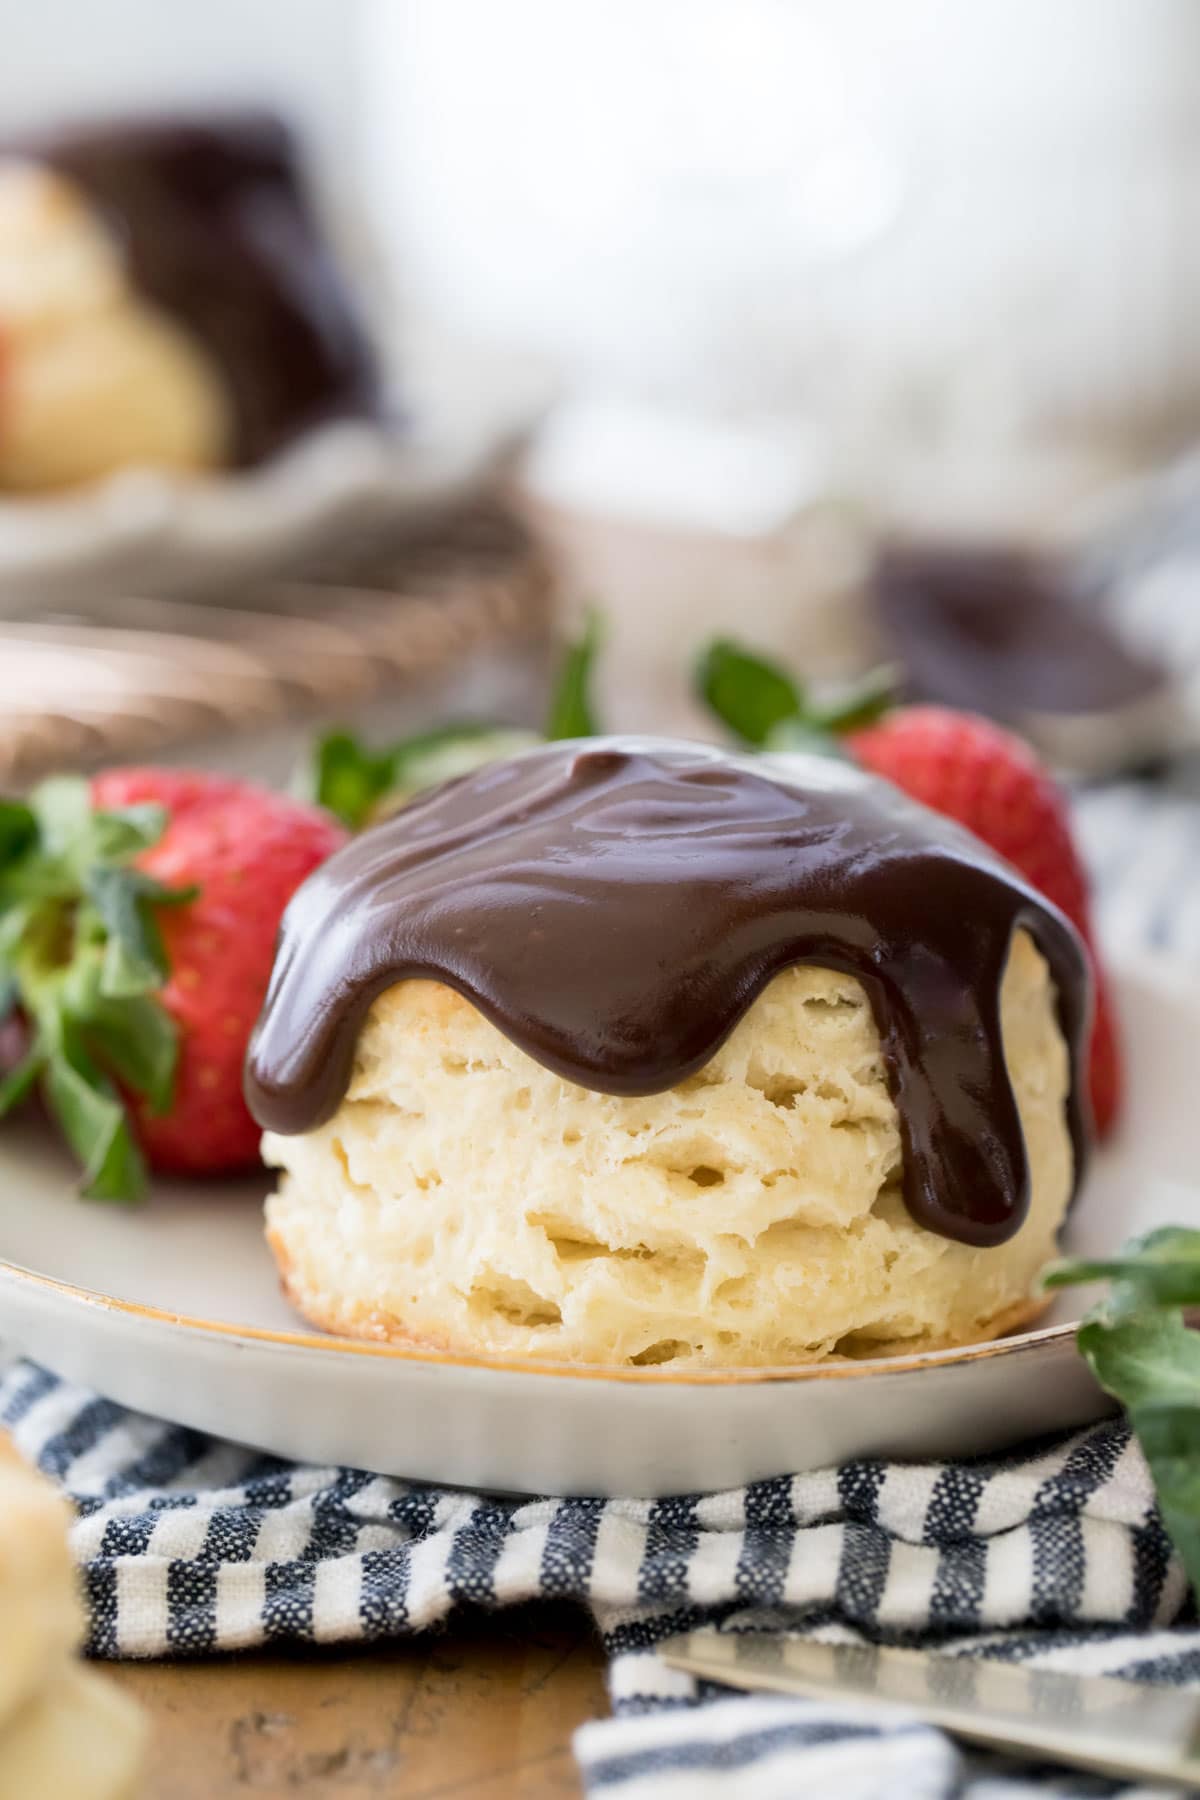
(217, 229)
(614, 906)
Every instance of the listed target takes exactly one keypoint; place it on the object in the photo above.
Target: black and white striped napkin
(1053, 1555)
(189, 1545)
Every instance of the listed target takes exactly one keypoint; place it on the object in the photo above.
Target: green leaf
(454, 756)
(131, 1036)
(138, 1040)
(73, 838)
(798, 735)
(80, 943)
(94, 1124)
(35, 878)
(572, 714)
(354, 782)
(156, 893)
(121, 832)
(1151, 1364)
(1170, 1440)
(1162, 1268)
(18, 829)
(1146, 1360)
(120, 1174)
(348, 778)
(1142, 1353)
(36, 939)
(16, 916)
(17, 1085)
(748, 694)
(134, 958)
(859, 704)
(415, 762)
(63, 810)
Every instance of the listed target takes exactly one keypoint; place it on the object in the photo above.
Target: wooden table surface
(486, 1711)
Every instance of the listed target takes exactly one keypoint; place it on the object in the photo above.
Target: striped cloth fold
(1053, 1555)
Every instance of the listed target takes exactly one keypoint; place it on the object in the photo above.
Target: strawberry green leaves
(133, 1037)
(125, 902)
(748, 694)
(355, 783)
(348, 779)
(572, 713)
(81, 959)
(18, 1082)
(1143, 1354)
(358, 785)
(856, 704)
(90, 1115)
(18, 829)
(763, 706)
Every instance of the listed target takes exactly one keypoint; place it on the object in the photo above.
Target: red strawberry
(144, 912)
(991, 782)
(247, 850)
(178, 790)
(956, 763)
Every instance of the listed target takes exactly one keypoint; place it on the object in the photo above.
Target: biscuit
(41, 1617)
(64, 1731)
(79, 1739)
(92, 379)
(467, 1198)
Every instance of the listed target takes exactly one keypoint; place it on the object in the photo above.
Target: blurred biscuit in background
(92, 378)
(65, 1732)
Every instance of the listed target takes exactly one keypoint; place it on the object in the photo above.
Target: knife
(1125, 1729)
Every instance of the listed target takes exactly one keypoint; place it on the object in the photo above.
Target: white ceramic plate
(146, 531)
(175, 1309)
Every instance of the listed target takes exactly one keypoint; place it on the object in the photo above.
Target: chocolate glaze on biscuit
(615, 905)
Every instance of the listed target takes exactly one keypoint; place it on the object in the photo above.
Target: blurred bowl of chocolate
(1016, 588)
(1014, 634)
(189, 385)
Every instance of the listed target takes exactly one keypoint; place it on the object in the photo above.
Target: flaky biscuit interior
(466, 1198)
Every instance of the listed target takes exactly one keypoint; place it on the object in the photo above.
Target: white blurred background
(915, 214)
(783, 263)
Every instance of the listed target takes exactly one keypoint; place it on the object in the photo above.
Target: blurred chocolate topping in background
(1004, 631)
(215, 220)
(1030, 636)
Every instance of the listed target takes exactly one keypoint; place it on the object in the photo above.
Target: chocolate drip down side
(614, 907)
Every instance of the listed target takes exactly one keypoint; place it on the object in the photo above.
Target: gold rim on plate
(528, 1365)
